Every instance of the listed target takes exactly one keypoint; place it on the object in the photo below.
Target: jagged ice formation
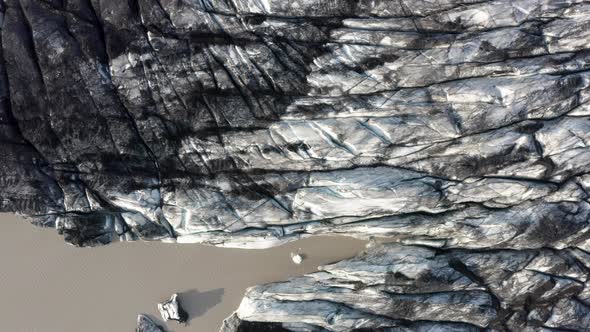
(250, 123)
(460, 126)
(397, 288)
(146, 324)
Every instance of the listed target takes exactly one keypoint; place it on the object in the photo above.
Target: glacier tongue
(252, 123)
(457, 128)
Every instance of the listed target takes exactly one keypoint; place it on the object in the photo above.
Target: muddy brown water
(49, 286)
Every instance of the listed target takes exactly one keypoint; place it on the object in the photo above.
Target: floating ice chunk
(297, 257)
(145, 324)
(172, 310)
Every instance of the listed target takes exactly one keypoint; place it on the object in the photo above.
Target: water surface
(49, 286)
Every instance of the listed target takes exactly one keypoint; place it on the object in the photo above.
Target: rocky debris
(146, 324)
(172, 310)
(410, 288)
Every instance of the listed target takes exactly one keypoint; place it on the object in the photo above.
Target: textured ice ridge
(251, 123)
(461, 127)
(395, 288)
